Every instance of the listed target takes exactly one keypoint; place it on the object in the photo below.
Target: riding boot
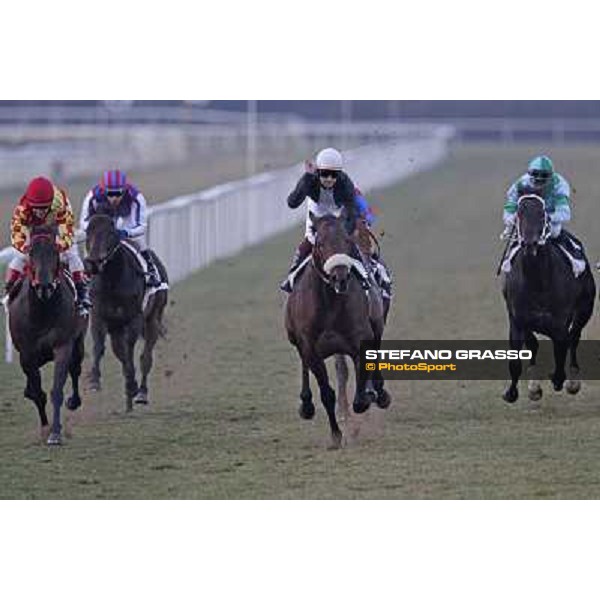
(364, 275)
(153, 275)
(383, 277)
(9, 287)
(303, 250)
(13, 277)
(83, 301)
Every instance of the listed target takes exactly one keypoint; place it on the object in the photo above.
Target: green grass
(223, 420)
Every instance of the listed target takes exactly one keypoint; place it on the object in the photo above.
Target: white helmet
(329, 159)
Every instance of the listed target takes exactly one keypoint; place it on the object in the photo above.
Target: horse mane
(100, 220)
(329, 221)
(44, 231)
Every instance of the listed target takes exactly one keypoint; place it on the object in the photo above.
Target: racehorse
(119, 308)
(329, 312)
(543, 296)
(45, 326)
(369, 246)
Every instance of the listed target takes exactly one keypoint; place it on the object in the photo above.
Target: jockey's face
(540, 178)
(114, 197)
(327, 178)
(40, 213)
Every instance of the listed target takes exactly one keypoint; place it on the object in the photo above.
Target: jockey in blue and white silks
(365, 221)
(127, 206)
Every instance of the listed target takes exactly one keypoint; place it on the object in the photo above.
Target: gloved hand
(309, 166)
(123, 235)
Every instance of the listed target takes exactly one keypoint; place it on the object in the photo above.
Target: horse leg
(307, 408)
(122, 345)
(99, 340)
(534, 387)
(34, 392)
(573, 384)
(365, 392)
(383, 399)
(516, 341)
(317, 366)
(561, 345)
(341, 371)
(74, 401)
(151, 333)
(62, 356)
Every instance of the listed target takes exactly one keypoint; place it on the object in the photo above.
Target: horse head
(332, 251)
(44, 261)
(102, 240)
(533, 226)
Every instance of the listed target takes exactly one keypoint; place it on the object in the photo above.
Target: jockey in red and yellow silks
(44, 204)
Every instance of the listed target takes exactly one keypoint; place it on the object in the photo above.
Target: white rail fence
(190, 232)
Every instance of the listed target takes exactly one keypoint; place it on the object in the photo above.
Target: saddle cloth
(578, 265)
(150, 290)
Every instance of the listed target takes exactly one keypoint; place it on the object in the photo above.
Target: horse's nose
(339, 278)
(44, 291)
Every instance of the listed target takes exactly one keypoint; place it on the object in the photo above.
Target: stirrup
(153, 280)
(286, 286)
(83, 309)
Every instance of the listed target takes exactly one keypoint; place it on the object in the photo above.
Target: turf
(223, 419)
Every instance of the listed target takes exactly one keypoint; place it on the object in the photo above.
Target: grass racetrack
(223, 419)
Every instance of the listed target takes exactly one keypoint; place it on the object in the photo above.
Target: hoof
(73, 403)
(572, 386)
(362, 403)
(558, 385)
(535, 392)
(54, 439)
(336, 441)
(141, 398)
(95, 387)
(383, 399)
(510, 395)
(306, 411)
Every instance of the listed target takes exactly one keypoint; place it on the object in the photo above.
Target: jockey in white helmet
(329, 191)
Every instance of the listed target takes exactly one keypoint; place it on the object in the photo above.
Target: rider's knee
(18, 262)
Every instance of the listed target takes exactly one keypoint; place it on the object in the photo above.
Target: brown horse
(45, 326)
(328, 313)
(369, 246)
(119, 310)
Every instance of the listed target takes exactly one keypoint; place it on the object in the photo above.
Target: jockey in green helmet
(541, 179)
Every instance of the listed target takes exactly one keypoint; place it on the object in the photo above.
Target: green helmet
(540, 169)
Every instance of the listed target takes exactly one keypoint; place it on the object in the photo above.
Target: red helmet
(39, 193)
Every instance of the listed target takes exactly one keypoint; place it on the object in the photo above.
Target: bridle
(323, 268)
(100, 264)
(43, 237)
(546, 227)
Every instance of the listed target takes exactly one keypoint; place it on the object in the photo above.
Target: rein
(109, 256)
(30, 270)
(546, 228)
